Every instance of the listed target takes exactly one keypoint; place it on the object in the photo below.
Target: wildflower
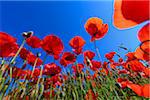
(120, 60)
(34, 42)
(19, 73)
(122, 82)
(36, 72)
(95, 65)
(110, 55)
(8, 49)
(140, 90)
(123, 71)
(142, 52)
(105, 68)
(77, 44)
(95, 27)
(67, 58)
(77, 68)
(143, 34)
(123, 12)
(135, 66)
(89, 54)
(51, 69)
(5, 38)
(54, 80)
(24, 53)
(31, 58)
(52, 45)
(8, 45)
(130, 56)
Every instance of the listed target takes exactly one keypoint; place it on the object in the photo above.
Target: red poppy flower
(105, 68)
(135, 65)
(113, 65)
(90, 95)
(77, 51)
(120, 60)
(34, 42)
(123, 71)
(124, 16)
(36, 72)
(95, 27)
(105, 64)
(4, 37)
(77, 43)
(140, 90)
(8, 45)
(19, 73)
(24, 53)
(31, 58)
(143, 53)
(67, 58)
(143, 34)
(54, 80)
(8, 49)
(95, 65)
(122, 82)
(52, 45)
(130, 56)
(89, 54)
(78, 68)
(110, 55)
(51, 69)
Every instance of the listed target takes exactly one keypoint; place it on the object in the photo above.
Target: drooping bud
(27, 34)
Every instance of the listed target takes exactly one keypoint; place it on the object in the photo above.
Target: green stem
(34, 67)
(13, 59)
(97, 51)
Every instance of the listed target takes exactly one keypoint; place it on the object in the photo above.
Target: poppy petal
(143, 34)
(123, 13)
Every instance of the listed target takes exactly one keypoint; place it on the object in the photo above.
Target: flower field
(66, 77)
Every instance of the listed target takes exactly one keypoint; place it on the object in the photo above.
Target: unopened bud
(38, 54)
(27, 34)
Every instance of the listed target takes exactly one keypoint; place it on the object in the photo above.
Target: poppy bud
(38, 54)
(27, 34)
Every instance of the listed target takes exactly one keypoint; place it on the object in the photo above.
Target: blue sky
(65, 19)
